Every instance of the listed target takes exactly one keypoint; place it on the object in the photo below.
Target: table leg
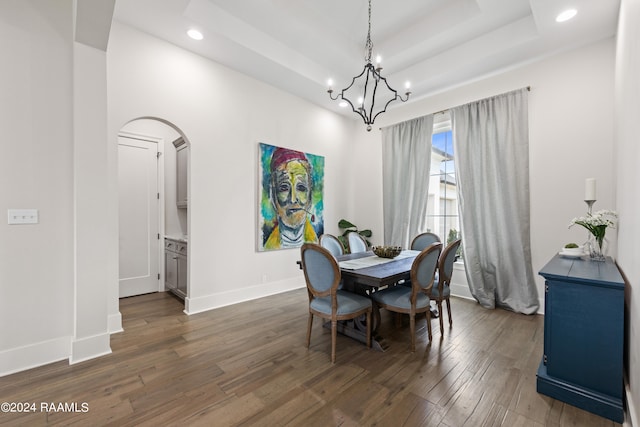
(351, 329)
(357, 328)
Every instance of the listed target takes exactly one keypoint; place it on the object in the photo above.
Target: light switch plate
(23, 216)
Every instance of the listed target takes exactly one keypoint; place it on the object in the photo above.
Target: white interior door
(138, 213)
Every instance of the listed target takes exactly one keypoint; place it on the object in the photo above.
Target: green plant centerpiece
(387, 251)
(349, 227)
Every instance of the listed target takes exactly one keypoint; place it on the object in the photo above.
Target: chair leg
(429, 326)
(440, 316)
(449, 312)
(309, 324)
(412, 323)
(334, 337)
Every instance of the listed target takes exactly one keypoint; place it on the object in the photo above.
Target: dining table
(368, 270)
(364, 273)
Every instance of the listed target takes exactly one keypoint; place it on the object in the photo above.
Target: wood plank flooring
(247, 365)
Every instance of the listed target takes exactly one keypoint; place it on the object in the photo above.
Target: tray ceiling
(297, 45)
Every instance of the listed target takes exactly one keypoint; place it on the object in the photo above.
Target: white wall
(365, 182)
(53, 114)
(627, 127)
(571, 138)
(36, 171)
(224, 115)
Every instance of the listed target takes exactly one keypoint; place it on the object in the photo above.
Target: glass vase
(596, 249)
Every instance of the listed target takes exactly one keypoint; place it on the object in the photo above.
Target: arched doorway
(151, 152)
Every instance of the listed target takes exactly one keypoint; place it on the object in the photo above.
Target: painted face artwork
(292, 199)
(292, 193)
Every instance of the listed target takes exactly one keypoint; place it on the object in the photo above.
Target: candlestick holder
(589, 205)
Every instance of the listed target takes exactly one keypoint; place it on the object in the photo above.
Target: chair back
(445, 266)
(332, 244)
(421, 241)
(356, 243)
(423, 269)
(321, 271)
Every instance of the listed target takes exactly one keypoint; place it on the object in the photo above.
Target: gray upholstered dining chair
(332, 244)
(322, 274)
(420, 242)
(423, 240)
(356, 243)
(415, 299)
(441, 290)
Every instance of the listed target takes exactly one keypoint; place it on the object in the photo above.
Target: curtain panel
(406, 160)
(491, 145)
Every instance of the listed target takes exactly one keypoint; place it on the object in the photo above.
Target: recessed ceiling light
(566, 15)
(195, 34)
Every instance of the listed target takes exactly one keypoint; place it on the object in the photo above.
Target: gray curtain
(406, 160)
(491, 145)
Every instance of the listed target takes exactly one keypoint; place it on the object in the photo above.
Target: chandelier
(368, 87)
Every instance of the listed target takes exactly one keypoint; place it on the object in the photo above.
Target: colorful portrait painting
(291, 198)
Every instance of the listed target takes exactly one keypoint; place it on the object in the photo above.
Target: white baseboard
(461, 291)
(43, 353)
(459, 286)
(114, 323)
(222, 299)
(540, 305)
(89, 348)
(34, 355)
(631, 416)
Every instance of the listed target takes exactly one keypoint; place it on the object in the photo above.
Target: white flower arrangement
(597, 223)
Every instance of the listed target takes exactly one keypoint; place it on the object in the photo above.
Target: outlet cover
(23, 216)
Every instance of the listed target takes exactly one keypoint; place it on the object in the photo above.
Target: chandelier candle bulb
(590, 189)
(330, 85)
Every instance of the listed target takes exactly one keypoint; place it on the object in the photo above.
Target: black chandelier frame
(367, 113)
(372, 77)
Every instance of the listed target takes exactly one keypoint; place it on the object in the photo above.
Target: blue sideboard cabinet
(583, 335)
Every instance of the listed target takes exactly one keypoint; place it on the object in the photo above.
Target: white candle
(590, 189)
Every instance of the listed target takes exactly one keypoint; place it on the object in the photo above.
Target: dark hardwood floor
(247, 365)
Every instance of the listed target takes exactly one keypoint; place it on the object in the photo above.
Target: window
(442, 206)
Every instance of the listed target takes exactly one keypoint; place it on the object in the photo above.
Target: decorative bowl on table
(387, 251)
(572, 250)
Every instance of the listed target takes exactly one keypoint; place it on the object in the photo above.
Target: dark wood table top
(378, 275)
